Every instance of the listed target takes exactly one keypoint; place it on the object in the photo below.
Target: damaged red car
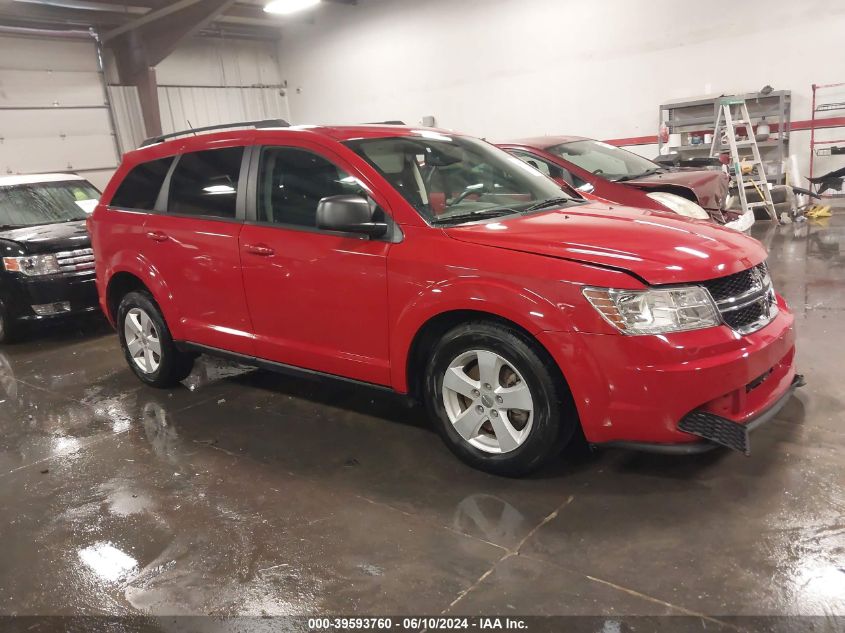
(438, 266)
(617, 175)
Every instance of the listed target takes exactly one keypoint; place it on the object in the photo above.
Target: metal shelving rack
(824, 151)
(696, 117)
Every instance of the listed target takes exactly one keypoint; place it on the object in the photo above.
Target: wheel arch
(134, 272)
(119, 286)
(436, 326)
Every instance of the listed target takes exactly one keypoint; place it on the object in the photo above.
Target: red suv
(437, 265)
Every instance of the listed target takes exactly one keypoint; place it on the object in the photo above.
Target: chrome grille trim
(76, 262)
(752, 307)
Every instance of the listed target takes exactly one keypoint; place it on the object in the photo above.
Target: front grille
(746, 300)
(76, 262)
(733, 285)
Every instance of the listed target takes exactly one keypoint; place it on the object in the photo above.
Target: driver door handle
(259, 249)
(157, 236)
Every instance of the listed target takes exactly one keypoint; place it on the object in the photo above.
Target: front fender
(499, 298)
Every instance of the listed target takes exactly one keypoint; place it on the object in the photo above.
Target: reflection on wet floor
(244, 492)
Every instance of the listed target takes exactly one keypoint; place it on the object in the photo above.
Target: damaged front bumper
(715, 430)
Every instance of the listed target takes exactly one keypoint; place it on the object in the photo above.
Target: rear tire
(476, 371)
(147, 343)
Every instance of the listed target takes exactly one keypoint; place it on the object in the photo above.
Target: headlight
(32, 265)
(655, 311)
(679, 205)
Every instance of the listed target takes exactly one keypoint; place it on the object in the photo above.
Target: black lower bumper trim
(728, 433)
(686, 448)
(715, 430)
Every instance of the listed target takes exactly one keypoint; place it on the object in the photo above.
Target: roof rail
(223, 126)
(396, 122)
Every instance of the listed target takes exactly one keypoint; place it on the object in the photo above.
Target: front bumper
(79, 291)
(639, 389)
(715, 430)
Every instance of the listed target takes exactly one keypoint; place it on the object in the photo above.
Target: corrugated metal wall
(183, 107)
(128, 119)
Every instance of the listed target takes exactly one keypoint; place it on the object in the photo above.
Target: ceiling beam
(150, 16)
(115, 18)
(59, 15)
(142, 44)
(145, 42)
(84, 5)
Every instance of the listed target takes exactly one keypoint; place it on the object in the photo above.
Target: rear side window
(140, 188)
(206, 183)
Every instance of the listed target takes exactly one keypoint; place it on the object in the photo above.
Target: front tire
(497, 400)
(147, 343)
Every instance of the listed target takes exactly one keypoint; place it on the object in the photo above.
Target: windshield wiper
(648, 172)
(551, 202)
(480, 214)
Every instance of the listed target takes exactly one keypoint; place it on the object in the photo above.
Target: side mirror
(349, 214)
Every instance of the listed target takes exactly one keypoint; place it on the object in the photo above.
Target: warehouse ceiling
(241, 18)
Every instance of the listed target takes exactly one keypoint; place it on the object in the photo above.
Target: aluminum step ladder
(733, 111)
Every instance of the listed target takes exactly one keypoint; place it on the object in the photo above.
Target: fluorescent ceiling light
(219, 189)
(284, 7)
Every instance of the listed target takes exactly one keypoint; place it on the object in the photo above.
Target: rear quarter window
(206, 183)
(140, 188)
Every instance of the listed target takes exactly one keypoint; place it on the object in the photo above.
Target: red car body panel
(640, 387)
(353, 307)
(709, 187)
(679, 250)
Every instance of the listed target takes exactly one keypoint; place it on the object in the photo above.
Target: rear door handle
(259, 249)
(157, 236)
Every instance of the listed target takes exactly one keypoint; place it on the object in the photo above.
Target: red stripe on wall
(634, 140)
(795, 126)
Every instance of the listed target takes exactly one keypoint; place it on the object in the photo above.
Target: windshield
(605, 160)
(458, 179)
(46, 203)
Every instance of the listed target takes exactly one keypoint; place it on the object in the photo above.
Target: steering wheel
(464, 194)
(598, 172)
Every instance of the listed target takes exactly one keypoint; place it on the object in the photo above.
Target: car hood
(710, 186)
(49, 238)
(660, 248)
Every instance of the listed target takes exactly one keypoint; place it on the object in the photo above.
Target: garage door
(53, 111)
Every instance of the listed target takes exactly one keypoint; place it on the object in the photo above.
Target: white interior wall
(219, 62)
(509, 68)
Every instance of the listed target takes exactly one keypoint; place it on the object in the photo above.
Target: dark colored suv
(48, 265)
(434, 264)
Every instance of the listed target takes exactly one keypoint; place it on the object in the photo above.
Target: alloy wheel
(487, 401)
(142, 340)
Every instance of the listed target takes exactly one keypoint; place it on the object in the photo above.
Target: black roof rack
(397, 122)
(223, 126)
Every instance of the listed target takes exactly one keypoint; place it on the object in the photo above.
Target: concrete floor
(250, 493)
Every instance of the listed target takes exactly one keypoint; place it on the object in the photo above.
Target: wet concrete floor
(249, 493)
